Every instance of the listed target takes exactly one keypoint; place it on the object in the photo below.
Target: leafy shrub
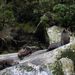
(65, 15)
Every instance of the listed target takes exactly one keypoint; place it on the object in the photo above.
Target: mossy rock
(56, 68)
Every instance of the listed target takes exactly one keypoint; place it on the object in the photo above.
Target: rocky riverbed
(59, 61)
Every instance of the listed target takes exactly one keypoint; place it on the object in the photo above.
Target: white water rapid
(30, 69)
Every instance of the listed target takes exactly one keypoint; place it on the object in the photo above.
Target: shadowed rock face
(7, 63)
(65, 39)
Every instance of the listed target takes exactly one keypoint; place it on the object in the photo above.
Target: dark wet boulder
(7, 63)
(24, 52)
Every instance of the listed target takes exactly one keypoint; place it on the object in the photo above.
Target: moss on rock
(56, 68)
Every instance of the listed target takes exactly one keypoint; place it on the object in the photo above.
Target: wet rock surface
(7, 63)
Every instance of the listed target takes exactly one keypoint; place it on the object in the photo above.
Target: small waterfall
(37, 70)
(22, 70)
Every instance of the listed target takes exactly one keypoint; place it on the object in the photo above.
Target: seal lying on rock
(7, 63)
(53, 46)
(24, 52)
(65, 39)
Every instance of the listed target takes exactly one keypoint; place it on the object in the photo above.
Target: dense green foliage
(24, 19)
(17, 12)
(65, 14)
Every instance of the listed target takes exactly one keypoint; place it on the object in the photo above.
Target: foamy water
(31, 69)
(37, 70)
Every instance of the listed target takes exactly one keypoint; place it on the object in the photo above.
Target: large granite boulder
(54, 34)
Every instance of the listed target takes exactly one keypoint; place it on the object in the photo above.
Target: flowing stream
(30, 69)
(34, 72)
